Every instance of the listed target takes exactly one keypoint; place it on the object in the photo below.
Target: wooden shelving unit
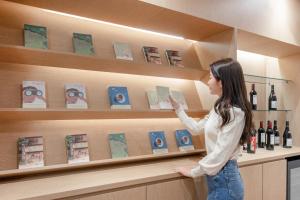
(258, 44)
(97, 163)
(50, 58)
(142, 15)
(77, 114)
(59, 65)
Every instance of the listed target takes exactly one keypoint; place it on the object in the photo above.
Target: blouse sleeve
(227, 142)
(190, 123)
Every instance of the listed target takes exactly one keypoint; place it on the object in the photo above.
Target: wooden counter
(263, 155)
(75, 183)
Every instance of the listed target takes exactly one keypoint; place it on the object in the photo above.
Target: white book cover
(75, 96)
(34, 94)
(77, 148)
(174, 58)
(179, 97)
(30, 152)
(163, 94)
(123, 51)
(153, 100)
(151, 55)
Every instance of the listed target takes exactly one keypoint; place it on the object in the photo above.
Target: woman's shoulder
(237, 113)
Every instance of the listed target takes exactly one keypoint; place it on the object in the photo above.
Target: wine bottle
(251, 144)
(261, 135)
(276, 134)
(287, 136)
(272, 99)
(270, 137)
(253, 97)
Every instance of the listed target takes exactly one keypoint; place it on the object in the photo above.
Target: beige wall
(278, 19)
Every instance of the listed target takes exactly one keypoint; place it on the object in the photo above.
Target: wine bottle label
(274, 104)
(289, 142)
(272, 139)
(256, 138)
(277, 140)
(263, 137)
(253, 144)
(254, 99)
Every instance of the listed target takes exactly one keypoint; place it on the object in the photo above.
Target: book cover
(153, 100)
(179, 97)
(163, 97)
(118, 145)
(77, 148)
(34, 94)
(119, 98)
(184, 140)
(83, 44)
(30, 152)
(174, 58)
(152, 55)
(35, 36)
(158, 142)
(123, 51)
(75, 96)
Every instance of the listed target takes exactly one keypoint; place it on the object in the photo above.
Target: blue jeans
(227, 184)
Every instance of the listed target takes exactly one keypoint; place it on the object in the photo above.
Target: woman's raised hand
(174, 103)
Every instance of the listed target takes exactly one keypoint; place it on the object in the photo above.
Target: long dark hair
(234, 93)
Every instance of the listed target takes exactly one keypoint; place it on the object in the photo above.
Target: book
(118, 145)
(35, 36)
(184, 140)
(174, 58)
(122, 51)
(179, 97)
(153, 100)
(30, 152)
(83, 44)
(152, 55)
(34, 94)
(163, 94)
(75, 96)
(77, 148)
(119, 98)
(158, 142)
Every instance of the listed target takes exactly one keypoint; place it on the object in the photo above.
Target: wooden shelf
(71, 114)
(22, 55)
(97, 163)
(136, 14)
(254, 43)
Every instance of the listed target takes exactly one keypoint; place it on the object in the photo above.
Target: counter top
(73, 183)
(263, 155)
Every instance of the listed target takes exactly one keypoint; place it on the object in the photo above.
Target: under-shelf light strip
(113, 24)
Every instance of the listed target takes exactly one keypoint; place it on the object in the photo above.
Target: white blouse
(222, 144)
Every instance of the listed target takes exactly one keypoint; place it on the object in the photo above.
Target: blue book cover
(158, 142)
(119, 98)
(184, 140)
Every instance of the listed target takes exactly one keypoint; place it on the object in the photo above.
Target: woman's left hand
(185, 171)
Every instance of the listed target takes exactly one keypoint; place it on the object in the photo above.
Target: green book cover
(35, 36)
(83, 44)
(118, 145)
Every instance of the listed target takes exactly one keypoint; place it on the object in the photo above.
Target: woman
(226, 128)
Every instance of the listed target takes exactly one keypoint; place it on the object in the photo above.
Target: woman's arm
(190, 123)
